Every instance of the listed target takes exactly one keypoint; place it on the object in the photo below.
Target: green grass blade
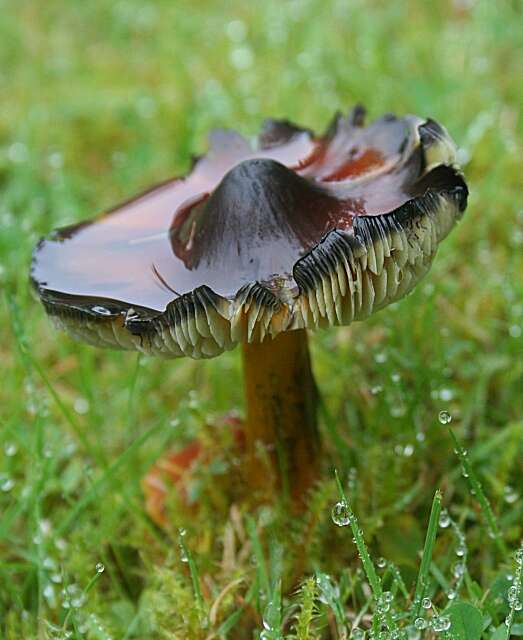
(195, 579)
(368, 565)
(261, 563)
(426, 559)
(476, 490)
(515, 592)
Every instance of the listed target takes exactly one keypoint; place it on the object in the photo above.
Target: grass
(100, 99)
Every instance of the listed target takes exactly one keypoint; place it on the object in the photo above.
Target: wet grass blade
(368, 565)
(476, 490)
(262, 570)
(426, 559)
(195, 579)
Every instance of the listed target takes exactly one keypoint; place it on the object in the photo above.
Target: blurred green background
(100, 99)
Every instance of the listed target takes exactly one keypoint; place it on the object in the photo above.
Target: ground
(99, 99)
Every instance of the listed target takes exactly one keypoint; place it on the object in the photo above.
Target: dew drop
(446, 394)
(102, 311)
(444, 519)
(10, 449)
(236, 30)
(6, 483)
(512, 593)
(420, 623)
(81, 406)
(17, 152)
(100, 567)
(398, 410)
(48, 592)
(426, 603)
(444, 417)
(241, 58)
(510, 495)
(340, 514)
(60, 544)
(408, 450)
(441, 623)
(381, 563)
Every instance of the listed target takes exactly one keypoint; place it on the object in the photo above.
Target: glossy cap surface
(292, 231)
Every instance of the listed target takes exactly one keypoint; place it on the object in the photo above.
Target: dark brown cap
(294, 231)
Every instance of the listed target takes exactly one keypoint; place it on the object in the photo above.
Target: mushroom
(255, 246)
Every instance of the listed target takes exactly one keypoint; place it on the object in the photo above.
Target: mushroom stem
(281, 423)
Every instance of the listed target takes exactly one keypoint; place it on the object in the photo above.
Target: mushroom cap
(293, 231)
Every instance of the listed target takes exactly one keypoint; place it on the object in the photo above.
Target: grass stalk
(426, 558)
(476, 490)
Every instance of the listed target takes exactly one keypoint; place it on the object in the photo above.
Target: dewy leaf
(466, 621)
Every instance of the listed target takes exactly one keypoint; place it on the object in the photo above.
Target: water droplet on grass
(341, 514)
(17, 152)
(444, 519)
(426, 603)
(60, 544)
(100, 567)
(444, 417)
(408, 450)
(6, 483)
(398, 410)
(440, 623)
(241, 58)
(381, 563)
(48, 592)
(510, 495)
(81, 406)
(236, 30)
(10, 449)
(420, 623)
